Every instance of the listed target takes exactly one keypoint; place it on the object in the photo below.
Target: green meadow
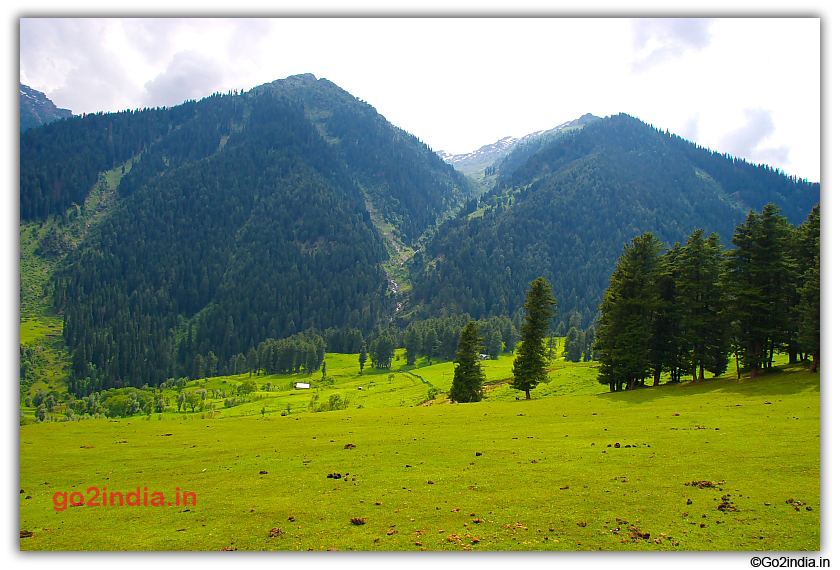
(723, 464)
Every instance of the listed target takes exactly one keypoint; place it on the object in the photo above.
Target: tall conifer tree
(413, 345)
(362, 358)
(759, 278)
(624, 337)
(469, 377)
(809, 313)
(699, 300)
(804, 252)
(531, 361)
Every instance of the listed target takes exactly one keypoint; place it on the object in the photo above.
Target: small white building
(301, 386)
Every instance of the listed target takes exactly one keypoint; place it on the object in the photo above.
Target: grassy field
(502, 474)
(401, 386)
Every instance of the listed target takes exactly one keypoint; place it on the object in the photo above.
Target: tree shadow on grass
(783, 380)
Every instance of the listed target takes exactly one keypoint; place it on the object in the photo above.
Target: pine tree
(667, 350)
(804, 252)
(699, 300)
(469, 377)
(198, 367)
(383, 353)
(251, 361)
(211, 364)
(552, 347)
(413, 345)
(430, 344)
(624, 337)
(809, 313)
(572, 348)
(531, 361)
(362, 358)
(759, 277)
(494, 345)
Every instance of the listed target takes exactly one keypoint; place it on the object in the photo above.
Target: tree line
(685, 310)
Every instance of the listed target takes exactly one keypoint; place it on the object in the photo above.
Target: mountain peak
(36, 109)
(489, 154)
(299, 79)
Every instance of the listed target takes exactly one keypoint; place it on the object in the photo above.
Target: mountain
(403, 180)
(568, 210)
(199, 231)
(488, 155)
(36, 109)
(220, 223)
(531, 145)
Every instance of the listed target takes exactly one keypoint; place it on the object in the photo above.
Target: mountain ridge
(268, 213)
(37, 109)
(413, 211)
(492, 153)
(239, 219)
(567, 212)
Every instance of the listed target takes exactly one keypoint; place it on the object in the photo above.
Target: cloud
(189, 75)
(95, 64)
(68, 60)
(745, 141)
(690, 130)
(657, 41)
(153, 38)
(49, 46)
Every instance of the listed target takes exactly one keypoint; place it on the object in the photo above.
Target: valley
(258, 298)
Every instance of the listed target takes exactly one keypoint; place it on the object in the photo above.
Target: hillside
(567, 212)
(36, 109)
(235, 219)
(404, 181)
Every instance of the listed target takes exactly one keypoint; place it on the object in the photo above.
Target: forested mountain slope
(239, 218)
(568, 211)
(404, 180)
(508, 164)
(262, 239)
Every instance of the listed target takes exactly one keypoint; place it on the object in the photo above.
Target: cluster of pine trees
(579, 344)
(685, 311)
(530, 366)
(303, 352)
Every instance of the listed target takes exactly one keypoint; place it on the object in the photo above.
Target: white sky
(749, 87)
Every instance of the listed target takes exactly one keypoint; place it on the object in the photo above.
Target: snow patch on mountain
(490, 153)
